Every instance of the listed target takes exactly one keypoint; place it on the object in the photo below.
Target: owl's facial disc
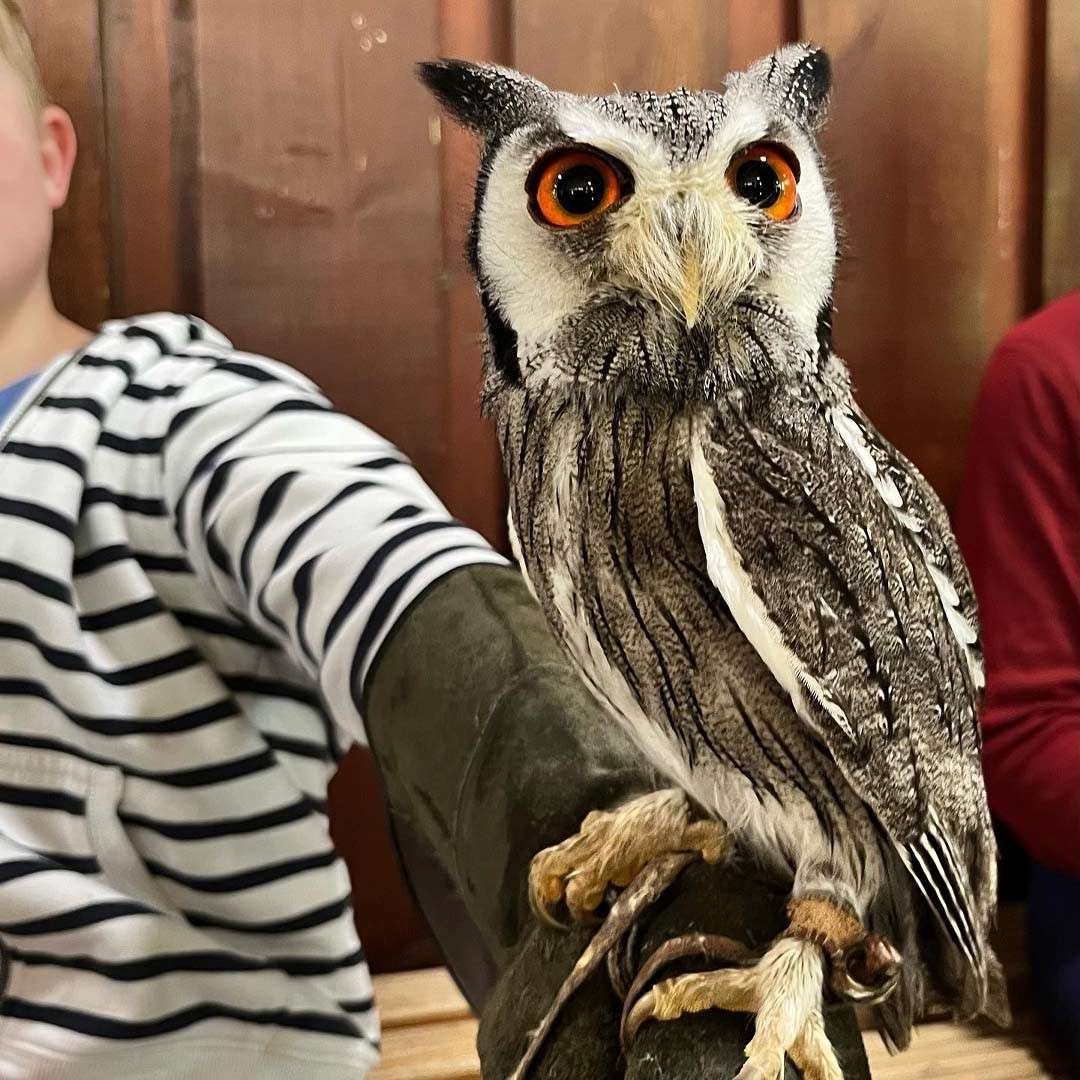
(655, 210)
(683, 237)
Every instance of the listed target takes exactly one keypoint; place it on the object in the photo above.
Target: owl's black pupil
(757, 183)
(580, 189)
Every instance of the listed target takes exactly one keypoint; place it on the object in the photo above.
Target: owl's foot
(784, 989)
(613, 847)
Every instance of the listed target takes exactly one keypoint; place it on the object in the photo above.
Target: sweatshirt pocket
(120, 863)
(66, 810)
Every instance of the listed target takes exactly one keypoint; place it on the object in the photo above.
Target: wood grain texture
(321, 243)
(65, 35)
(428, 996)
(928, 144)
(473, 488)
(644, 44)
(139, 56)
(430, 1052)
(320, 222)
(1061, 207)
(428, 1036)
(945, 1051)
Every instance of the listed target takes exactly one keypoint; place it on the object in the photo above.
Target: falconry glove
(491, 748)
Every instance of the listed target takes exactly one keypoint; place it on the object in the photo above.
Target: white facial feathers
(531, 283)
(683, 239)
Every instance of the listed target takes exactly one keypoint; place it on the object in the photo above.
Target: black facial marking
(473, 244)
(503, 339)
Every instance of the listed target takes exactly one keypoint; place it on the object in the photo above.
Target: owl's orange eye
(766, 176)
(573, 185)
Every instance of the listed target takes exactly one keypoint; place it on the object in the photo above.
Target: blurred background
(274, 166)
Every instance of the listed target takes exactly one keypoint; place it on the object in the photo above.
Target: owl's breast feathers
(774, 533)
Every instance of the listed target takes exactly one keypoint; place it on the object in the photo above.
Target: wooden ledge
(429, 1034)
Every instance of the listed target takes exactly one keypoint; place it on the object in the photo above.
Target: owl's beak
(690, 292)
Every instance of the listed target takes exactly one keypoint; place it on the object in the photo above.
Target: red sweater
(1018, 523)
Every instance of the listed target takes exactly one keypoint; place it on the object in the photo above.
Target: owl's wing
(917, 506)
(836, 561)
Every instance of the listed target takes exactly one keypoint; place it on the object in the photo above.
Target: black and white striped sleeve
(308, 523)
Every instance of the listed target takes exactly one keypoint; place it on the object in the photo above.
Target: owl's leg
(613, 847)
(784, 989)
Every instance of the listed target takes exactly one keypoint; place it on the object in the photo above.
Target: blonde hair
(17, 50)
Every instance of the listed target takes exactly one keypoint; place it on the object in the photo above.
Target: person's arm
(489, 745)
(307, 524)
(1018, 523)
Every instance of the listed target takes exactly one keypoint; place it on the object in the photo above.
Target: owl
(753, 582)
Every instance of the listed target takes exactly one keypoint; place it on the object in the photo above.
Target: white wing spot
(851, 433)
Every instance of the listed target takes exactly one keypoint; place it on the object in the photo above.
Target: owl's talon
(613, 847)
(718, 950)
(545, 896)
(546, 914)
(867, 972)
(643, 1010)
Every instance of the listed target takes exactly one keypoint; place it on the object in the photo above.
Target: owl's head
(628, 236)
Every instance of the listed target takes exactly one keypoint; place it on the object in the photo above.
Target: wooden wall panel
(65, 35)
(644, 44)
(929, 147)
(320, 223)
(1061, 247)
(139, 49)
(474, 30)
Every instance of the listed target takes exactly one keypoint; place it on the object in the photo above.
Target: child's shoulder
(191, 351)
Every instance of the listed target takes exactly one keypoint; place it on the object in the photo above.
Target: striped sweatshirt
(199, 559)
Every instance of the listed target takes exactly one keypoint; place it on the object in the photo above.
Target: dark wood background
(273, 166)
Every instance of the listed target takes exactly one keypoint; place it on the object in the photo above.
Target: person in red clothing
(1018, 524)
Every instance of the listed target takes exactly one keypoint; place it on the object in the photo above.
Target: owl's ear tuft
(811, 82)
(798, 78)
(486, 98)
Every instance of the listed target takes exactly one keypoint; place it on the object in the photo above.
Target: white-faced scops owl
(761, 589)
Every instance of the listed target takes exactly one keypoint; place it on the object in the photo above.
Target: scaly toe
(734, 989)
(750, 1071)
(583, 896)
(710, 838)
(613, 847)
(813, 1053)
(717, 949)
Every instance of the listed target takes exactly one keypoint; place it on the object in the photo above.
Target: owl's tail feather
(941, 928)
(990, 997)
